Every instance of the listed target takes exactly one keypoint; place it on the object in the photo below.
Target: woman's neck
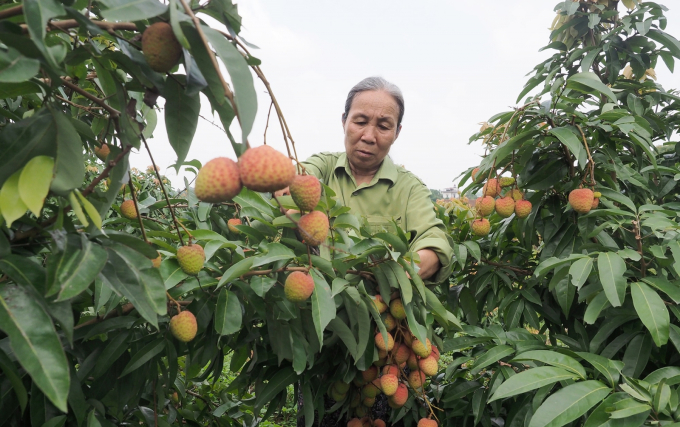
(363, 176)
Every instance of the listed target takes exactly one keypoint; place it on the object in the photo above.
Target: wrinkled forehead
(375, 103)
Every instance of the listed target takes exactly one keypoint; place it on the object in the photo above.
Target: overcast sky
(457, 63)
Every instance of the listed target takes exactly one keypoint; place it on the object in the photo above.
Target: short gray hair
(375, 83)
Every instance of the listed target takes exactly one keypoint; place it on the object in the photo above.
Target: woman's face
(370, 129)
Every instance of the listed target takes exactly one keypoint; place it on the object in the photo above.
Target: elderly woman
(366, 180)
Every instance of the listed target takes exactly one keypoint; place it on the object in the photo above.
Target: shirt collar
(387, 170)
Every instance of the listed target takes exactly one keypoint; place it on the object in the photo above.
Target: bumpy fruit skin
(128, 210)
(305, 191)
(485, 205)
(492, 188)
(379, 304)
(265, 170)
(368, 401)
(390, 322)
(299, 286)
(157, 261)
(191, 258)
(160, 46)
(183, 326)
(232, 223)
(435, 352)
(354, 422)
(102, 152)
(481, 227)
(597, 194)
(581, 200)
(389, 384)
(314, 228)
(474, 173)
(369, 374)
(506, 181)
(380, 362)
(399, 398)
(412, 361)
(424, 422)
(416, 379)
(401, 354)
(516, 194)
(218, 181)
(370, 390)
(522, 208)
(397, 309)
(428, 365)
(596, 203)
(380, 342)
(391, 369)
(505, 207)
(420, 349)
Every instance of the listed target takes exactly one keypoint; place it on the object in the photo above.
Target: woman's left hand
(429, 263)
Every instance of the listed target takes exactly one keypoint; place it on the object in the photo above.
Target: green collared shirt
(393, 194)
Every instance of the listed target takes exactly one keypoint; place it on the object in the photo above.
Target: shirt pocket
(379, 223)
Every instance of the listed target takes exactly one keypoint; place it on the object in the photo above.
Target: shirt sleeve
(319, 165)
(429, 231)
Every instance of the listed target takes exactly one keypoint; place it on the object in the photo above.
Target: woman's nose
(369, 134)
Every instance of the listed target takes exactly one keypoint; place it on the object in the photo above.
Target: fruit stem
(179, 308)
(267, 125)
(590, 158)
(139, 216)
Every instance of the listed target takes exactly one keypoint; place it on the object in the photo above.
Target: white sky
(457, 63)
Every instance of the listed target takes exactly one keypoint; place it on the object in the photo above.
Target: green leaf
(667, 40)
(493, 355)
(16, 68)
(176, 14)
(505, 149)
(588, 82)
(580, 270)
(627, 408)
(567, 137)
(276, 384)
(323, 305)
(611, 269)
(9, 370)
(569, 403)
(611, 370)
(90, 209)
(236, 270)
(595, 307)
(144, 354)
(347, 220)
(239, 71)
(69, 169)
(77, 209)
(35, 342)
(273, 252)
(227, 313)
(553, 358)
(77, 269)
(132, 10)
(531, 379)
(652, 311)
(37, 13)
(11, 206)
(181, 117)
(262, 284)
(345, 333)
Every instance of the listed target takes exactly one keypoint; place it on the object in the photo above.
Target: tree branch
(66, 24)
(114, 113)
(12, 11)
(508, 267)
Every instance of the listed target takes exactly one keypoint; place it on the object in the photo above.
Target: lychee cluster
(511, 201)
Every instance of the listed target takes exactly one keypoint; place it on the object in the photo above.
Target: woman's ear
(398, 130)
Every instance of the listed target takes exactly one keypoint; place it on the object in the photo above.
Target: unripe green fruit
(516, 194)
(380, 342)
(102, 152)
(341, 387)
(506, 181)
(160, 46)
(597, 194)
(368, 401)
(183, 326)
(390, 322)
(581, 200)
(522, 208)
(397, 309)
(314, 228)
(265, 170)
(299, 286)
(218, 181)
(191, 258)
(485, 205)
(389, 384)
(420, 349)
(505, 207)
(370, 390)
(361, 411)
(337, 396)
(481, 227)
(356, 400)
(157, 261)
(128, 209)
(305, 191)
(232, 223)
(492, 188)
(429, 365)
(416, 379)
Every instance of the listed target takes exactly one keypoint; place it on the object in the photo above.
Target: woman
(366, 180)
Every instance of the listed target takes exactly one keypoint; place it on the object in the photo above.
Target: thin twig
(139, 216)
(507, 267)
(114, 113)
(267, 125)
(12, 11)
(82, 107)
(590, 158)
(124, 310)
(65, 24)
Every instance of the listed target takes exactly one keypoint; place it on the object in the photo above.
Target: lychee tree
(121, 298)
(572, 311)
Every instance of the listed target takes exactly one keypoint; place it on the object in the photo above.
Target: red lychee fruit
(232, 223)
(474, 173)
(354, 422)
(522, 208)
(596, 203)
(505, 206)
(485, 205)
(183, 326)
(369, 374)
(379, 423)
(420, 349)
(398, 399)
(425, 422)
(408, 338)
(102, 152)
(401, 355)
(128, 209)
(391, 369)
(429, 365)
(160, 46)
(412, 361)
(380, 342)
(299, 286)
(481, 227)
(581, 200)
(416, 379)
(435, 352)
(336, 395)
(265, 170)
(305, 191)
(368, 401)
(388, 384)
(491, 188)
(397, 309)
(191, 258)
(314, 228)
(218, 181)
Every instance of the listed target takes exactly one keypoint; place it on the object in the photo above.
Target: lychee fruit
(420, 349)
(481, 227)
(412, 361)
(361, 411)
(397, 309)
(435, 352)
(581, 200)
(299, 286)
(401, 355)
(232, 223)
(516, 194)
(157, 261)
(379, 423)
(506, 181)
(370, 390)
(305, 191)
(408, 338)
(183, 326)
(390, 322)
(428, 365)
(485, 205)
(160, 46)
(368, 401)
(416, 379)
(380, 362)
(505, 206)
(379, 304)
(398, 399)
(191, 258)
(380, 342)
(128, 209)
(314, 228)
(426, 422)
(341, 387)
(102, 152)
(218, 181)
(474, 173)
(265, 170)
(336, 395)
(369, 374)
(356, 399)
(596, 203)
(354, 422)
(388, 384)
(391, 370)
(491, 188)
(522, 208)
